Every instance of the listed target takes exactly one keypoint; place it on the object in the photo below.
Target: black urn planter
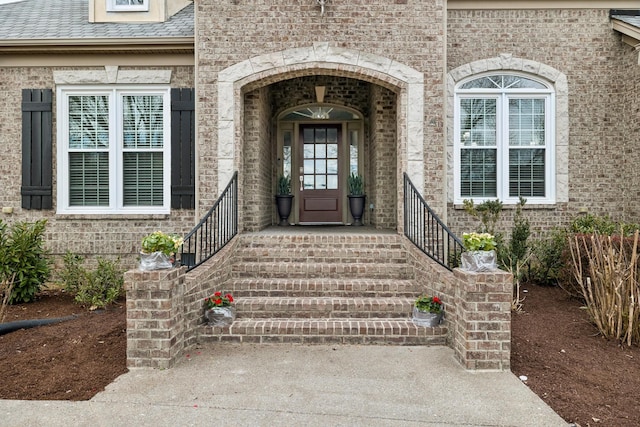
(284, 203)
(356, 205)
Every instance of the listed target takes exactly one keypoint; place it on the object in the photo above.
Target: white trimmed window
(114, 150)
(127, 5)
(504, 140)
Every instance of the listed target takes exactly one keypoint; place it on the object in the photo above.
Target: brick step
(325, 331)
(326, 255)
(321, 269)
(331, 241)
(323, 307)
(321, 287)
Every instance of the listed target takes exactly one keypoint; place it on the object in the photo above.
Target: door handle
(301, 177)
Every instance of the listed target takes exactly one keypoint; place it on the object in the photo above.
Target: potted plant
(356, 197)
(158, 250)
(480, 252)
(284, 199)
(427, 311)
(218, 309)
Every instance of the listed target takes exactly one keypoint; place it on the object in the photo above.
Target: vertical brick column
(482, 336)
(155, 319)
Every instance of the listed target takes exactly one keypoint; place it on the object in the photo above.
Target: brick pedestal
(155, 320)
(482, 335)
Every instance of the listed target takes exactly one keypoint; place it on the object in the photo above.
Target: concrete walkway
(296, 385)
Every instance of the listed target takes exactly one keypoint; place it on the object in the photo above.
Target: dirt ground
(586, 379)
(72, 360)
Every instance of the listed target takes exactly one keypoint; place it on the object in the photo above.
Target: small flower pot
(479, 261)
(155, 261)
(220, 316)
(426, 318)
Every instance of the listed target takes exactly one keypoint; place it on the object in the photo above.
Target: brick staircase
(342, 287)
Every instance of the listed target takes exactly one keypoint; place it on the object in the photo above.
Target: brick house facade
(397, 66)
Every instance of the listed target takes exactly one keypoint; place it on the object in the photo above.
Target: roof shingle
(69, 19)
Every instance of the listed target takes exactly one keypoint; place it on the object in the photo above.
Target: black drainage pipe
(5, 328)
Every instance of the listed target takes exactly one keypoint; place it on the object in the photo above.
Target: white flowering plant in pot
(480, 252)
(159, 250)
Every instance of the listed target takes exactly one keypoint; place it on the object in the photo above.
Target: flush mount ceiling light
(321, 3)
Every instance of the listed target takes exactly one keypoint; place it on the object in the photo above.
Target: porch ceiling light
(321, 3)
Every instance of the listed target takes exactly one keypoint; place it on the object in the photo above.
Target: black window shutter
(36, 149)
(183, 183)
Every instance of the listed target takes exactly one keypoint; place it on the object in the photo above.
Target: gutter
(97, 45)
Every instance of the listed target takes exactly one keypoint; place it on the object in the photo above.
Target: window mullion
(115, 154)
(503, 146)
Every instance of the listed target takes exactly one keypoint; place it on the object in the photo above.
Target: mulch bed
(72, 360)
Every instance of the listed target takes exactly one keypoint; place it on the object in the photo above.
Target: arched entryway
(390, 133)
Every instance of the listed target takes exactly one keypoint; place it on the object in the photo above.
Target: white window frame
(113, 7)
(116, 149)
(502, 97)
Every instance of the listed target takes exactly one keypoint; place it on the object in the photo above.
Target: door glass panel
(332, 135)
(308, 151)
(309, 167)
(308, 182)
(308, 135)
(332, 182)
(332, 167)
(320, 159)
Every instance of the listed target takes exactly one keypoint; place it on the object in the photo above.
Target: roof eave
(631, 32)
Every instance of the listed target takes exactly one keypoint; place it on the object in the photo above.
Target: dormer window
(127, 5)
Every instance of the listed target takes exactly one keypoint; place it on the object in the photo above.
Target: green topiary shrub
(24, 266)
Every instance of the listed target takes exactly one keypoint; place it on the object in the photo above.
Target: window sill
(94, 217)
(533, 206)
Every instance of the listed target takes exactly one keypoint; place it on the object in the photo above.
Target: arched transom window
(504, 139)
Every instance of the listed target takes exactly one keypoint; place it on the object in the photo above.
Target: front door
(320, 193)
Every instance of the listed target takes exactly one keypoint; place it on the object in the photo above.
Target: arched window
(504, 139)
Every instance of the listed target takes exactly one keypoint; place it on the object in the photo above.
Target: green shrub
(73, 274)
(23, 262)
(488, 212)
(513, 256)
(97, 288)
(552, 261)
(589, 224)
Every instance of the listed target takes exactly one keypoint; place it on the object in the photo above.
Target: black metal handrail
(427, 231)
(215, 230)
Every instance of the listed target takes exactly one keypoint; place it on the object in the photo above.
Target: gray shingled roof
(69, 19)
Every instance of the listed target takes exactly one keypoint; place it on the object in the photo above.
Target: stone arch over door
(321, 58)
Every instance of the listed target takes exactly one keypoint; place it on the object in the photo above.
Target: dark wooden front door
(321, 185)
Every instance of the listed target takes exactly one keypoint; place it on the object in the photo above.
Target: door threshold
(321, 223)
